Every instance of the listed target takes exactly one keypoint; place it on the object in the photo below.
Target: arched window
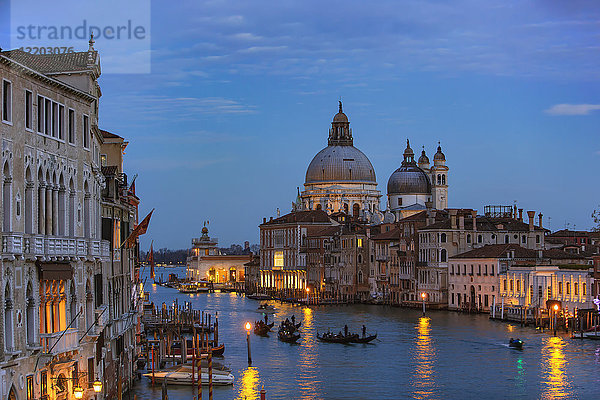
(568, 287)
(86, 210)
(444, 255)
(346, 208)
(583, 289)
(61, 384)
(30, 315)
(89, 306)
(8, 319)
(360, 258)
(523, 239)
(6, 198)
(443, 179)
(439, 179)
(62, 206)
(355, 210)
(28, 210)
(71, 212)
(443, 238)
(318, 207)
(479, 238)
(576, 289)
(360, 277)
(73, 306)
(506, 239)
(469, 238)
(537, 238)
(41, 203)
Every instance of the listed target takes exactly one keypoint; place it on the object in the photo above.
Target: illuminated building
(206, 263)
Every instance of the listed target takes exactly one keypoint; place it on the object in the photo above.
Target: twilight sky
(241, 96)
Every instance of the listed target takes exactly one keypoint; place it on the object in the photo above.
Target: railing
(57, 343)
(381, 257)
(41, 245)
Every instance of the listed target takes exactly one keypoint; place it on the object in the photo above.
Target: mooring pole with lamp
(248, 327)
(423, 295)
(555, 316)
(307, 293)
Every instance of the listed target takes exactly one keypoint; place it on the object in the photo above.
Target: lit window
(359, 242)
(278, 259)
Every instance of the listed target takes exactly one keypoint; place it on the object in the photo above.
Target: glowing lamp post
(248, 327)
(307, 292)
(423, 297)
(97, 386)
(78, 392)
(555, 313)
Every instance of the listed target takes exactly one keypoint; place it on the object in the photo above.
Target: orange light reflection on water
(308, 357)
(424, 359)
(249, 389)
(553, 366)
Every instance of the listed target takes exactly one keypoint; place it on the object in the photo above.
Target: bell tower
(340, 133)
(439, 180)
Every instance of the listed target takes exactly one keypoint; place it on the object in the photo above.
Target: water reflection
(424, 360)
(553, 365)
(308, 357)
(249, 389)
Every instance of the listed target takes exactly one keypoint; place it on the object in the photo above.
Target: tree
(596, 219)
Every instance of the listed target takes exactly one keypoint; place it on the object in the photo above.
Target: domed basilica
(340, 178)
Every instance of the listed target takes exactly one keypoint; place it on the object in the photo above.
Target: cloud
(572, 109)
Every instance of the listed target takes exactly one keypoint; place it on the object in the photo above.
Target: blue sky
(241, 96)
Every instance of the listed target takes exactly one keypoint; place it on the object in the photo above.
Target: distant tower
(439, 180)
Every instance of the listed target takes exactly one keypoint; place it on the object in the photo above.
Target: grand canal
(444, 355)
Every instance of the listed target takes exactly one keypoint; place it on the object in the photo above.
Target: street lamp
(78, 392)
(97, 386)
(555, 312)
(307, 292)
(423, 297)
(248, 326)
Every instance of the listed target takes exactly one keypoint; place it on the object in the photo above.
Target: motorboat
(182, 375)
(188, 288)
(266, 308)
(515, 343)
(259, 296)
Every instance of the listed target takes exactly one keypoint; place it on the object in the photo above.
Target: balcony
(57, 343)
(382, 278)
(381, 257)
(18, 244)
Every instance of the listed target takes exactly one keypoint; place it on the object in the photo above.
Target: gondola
(287, 336)
(515, 343)
(219, 350)
(262, 329)
(364, 339)
(337, 338)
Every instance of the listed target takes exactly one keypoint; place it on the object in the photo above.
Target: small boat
(515, 343)
(337, 338)
(188, 288)
(262, 329)
(287, 336)
(259, 296)
(266, 308)
(182, 375)
(219, 350)
(364, 339)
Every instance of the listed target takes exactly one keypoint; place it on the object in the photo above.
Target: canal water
(444, 355)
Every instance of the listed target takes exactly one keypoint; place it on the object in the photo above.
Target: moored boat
(266, 308)
(182, 375)
(259, 296)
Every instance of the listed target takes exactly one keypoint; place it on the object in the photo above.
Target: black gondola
(365, 339)
(287, 336)
(262, 329)
(331, 338)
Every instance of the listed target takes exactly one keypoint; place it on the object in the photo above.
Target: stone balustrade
(54, 343)
(29, 246)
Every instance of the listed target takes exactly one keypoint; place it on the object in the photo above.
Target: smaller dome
(204, 230)
(439, 156)
(423, 159)
(408, 151)
(409, 179)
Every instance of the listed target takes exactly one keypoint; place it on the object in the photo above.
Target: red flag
(151, 260)
(139, 230)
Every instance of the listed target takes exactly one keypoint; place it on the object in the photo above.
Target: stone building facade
(52, 252)
(66, 289)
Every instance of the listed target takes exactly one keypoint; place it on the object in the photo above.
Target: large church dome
(340, 163)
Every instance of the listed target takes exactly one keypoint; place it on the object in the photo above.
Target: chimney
(461, 222)
(540, 215)
(474, 217)
(270, 219)
(264, 220)
(278, 213)
(514, 213)
(520, 215)
(531, 215)
(453, 219)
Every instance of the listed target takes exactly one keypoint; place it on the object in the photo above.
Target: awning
(55, 271)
